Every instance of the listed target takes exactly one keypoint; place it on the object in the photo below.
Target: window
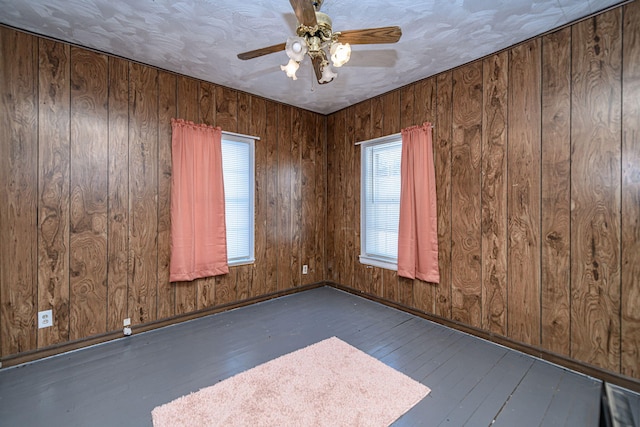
(380, 201)
(239, 177)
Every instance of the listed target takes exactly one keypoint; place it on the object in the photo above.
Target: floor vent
(615, 409)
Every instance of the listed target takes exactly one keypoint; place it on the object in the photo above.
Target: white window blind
(238, 171)
(380, 201)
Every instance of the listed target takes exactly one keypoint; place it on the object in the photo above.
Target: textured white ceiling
(201, 38)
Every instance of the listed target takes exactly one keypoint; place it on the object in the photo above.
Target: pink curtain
(418, 229)
(198, 232)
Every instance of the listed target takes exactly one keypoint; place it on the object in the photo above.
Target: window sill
(377, 262)
(241, 262)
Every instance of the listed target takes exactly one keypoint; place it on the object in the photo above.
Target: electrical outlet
(127, 326)
(305, 269)
(45, 319)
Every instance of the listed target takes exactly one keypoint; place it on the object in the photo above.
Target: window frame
(372, 259)
(250, 142)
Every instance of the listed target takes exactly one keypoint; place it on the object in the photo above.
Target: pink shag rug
(329, 383)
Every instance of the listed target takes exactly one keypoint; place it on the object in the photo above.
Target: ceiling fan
(316, 38)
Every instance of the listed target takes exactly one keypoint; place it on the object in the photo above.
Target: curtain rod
(224, 132)
(381, 138)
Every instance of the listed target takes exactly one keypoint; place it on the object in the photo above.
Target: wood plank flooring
(473, 382)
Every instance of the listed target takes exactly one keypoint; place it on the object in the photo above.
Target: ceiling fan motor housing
(318, 36)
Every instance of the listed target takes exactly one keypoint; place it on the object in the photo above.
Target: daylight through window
(380, 201)
(238, 171)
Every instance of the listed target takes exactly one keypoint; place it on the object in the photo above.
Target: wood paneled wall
(85, 171)
(537, 152)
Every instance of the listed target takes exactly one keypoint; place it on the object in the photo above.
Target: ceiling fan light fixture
(291, 68)
(327, 74)
(296, 48)
(340, 54)
(315, 38)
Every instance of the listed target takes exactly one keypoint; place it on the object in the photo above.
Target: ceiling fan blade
(263, 51)
(305, 12)
(371, 35)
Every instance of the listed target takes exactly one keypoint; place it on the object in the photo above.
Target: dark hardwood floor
(473, 382)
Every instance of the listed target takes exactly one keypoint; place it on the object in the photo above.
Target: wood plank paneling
(227, 109)
(308, 200)
(53, 189)
(118, 202)
(243, 281)
(207, 103)
(523, 171)
(340, 180)
(19, 190)
(425, 101)
(188, 101)
(285, 249)
(320, 180)
(345, 171)
(595, 190)
(167, 109)
(258, 126)
(556, 191)
(143, 193)
(270, 141)
(442, 159)
(466, 293)
(243, 112)
(630, 292)
(349, 244)
(494, 193)
(391, 124)
(298, 136)
(334, 205)
(362, 132)
(406, 290)
(88, 193)
(407, 106)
